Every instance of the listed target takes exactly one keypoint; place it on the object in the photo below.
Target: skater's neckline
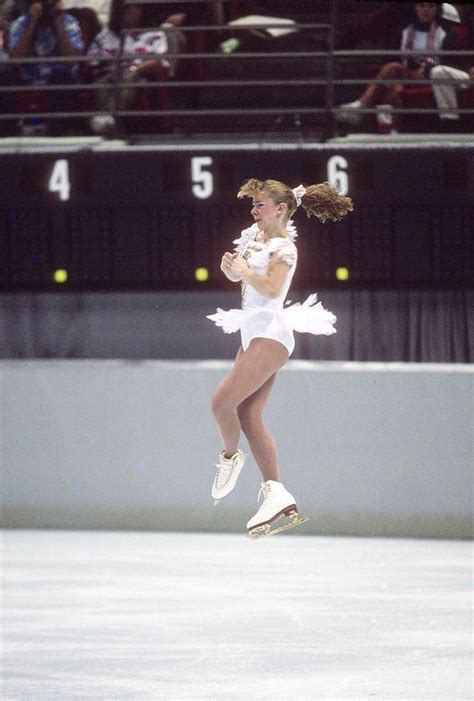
(272, 238)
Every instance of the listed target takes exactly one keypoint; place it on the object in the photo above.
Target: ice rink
(153, 616)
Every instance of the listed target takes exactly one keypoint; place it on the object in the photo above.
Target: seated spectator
(140, 50)
(89, 24)
(46, 31)
(14, 8)
(5, 16)
(448, 79)
(100, 7)
(445, 92)
(5, 21)
(425, 33)
(212, 12)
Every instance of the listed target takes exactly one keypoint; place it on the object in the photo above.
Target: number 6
(337, 173)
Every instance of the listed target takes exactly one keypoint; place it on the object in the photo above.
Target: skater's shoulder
(283, 248)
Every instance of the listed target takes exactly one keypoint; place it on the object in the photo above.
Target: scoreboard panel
(145, 217)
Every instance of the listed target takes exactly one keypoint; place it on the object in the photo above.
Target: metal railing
(327, 79)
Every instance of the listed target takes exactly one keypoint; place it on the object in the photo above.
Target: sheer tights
(240, 399)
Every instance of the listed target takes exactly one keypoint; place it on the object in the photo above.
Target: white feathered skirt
(277, 324)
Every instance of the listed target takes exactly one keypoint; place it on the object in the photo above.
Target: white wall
(376, 449)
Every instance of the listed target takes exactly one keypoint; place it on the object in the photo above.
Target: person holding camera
(46, 31)
(426, 33)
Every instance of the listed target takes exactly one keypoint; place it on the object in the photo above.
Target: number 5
(59, 180)
(203, 180)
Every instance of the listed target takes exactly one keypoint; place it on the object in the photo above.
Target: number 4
(59, 180)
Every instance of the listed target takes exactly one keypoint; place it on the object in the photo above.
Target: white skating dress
(264, 317)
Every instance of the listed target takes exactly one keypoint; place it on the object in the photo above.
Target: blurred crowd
(421, 31)
(133, 44)
(141, 46)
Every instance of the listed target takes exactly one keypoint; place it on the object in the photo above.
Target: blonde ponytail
(323, 201)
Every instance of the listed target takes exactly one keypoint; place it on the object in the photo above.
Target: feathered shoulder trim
(248, 234)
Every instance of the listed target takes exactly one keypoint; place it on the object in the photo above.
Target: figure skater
(264, 261)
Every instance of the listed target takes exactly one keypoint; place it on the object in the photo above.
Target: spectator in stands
(197, 13)
(425, 33)
(46, 31)
(447, 79)
(213, 12)
(6, 14)
(445, 92)
(5, 20)
(11, 9)
(100, 7)
(89, 24)
(136, 70)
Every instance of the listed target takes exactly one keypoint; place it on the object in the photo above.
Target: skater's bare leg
(228, 424)
(252, 368)
(260, 439)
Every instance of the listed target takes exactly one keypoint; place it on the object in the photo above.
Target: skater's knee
(220, 405)
(250, 421)
(216, 405)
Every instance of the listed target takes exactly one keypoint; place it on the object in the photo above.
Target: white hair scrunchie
(298, 193)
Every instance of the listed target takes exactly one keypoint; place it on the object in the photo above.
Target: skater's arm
(268, 285)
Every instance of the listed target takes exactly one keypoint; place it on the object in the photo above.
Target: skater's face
(266, 212)
(425, 11)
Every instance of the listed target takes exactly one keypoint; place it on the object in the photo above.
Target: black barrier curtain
(373, 325)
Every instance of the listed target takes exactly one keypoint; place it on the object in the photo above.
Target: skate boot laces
(265, 490)
(228, 470)
(225, 471)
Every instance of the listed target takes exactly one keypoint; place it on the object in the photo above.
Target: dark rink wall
(367, 448)
(129, 225)
(372, 325)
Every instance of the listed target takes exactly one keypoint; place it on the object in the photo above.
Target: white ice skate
(228, 471)
(277, 512)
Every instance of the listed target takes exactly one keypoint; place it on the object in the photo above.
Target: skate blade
(267, 529)
(217, 501)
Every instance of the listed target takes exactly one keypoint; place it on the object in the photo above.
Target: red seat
(159, 98)
(422, 97)
(418, 97)
(32, 101)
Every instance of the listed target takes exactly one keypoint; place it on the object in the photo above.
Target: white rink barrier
(367, 448)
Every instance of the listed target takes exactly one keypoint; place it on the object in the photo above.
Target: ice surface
(151, 616)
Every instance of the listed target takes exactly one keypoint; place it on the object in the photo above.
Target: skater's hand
(239, 265)
(226, 262)
(471, 73)
(226, 267)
